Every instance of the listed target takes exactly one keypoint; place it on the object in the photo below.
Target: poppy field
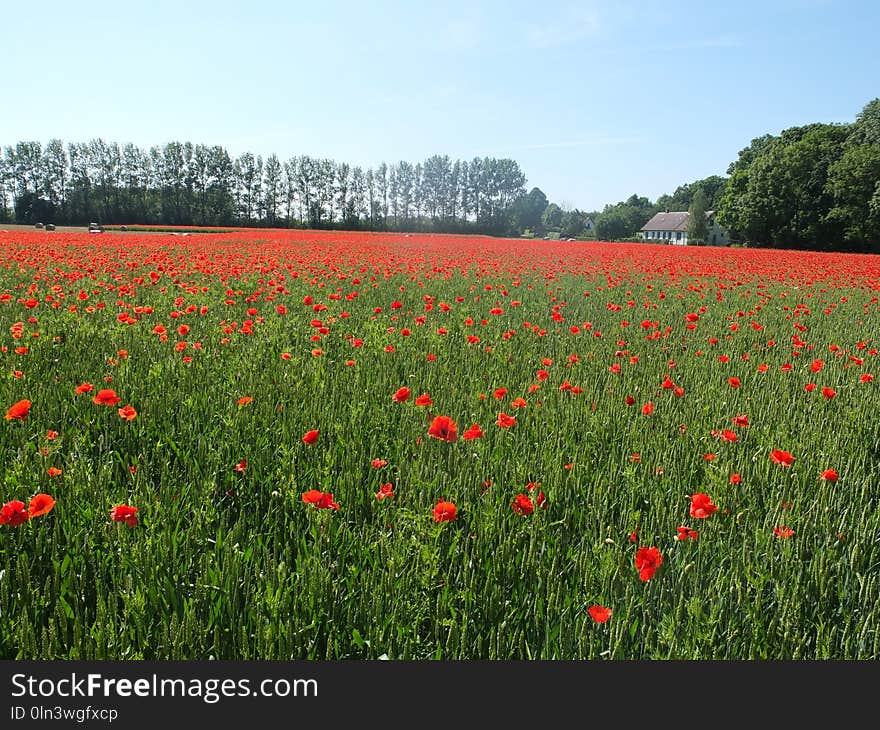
(329, 445)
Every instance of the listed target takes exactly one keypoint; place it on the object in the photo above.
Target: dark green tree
(853, 182)
(551, 218)
(272, 190)
(697, 228)
(613, 224)
(779, 196)
(527, 210)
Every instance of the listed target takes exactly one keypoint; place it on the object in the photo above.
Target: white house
(672, 228)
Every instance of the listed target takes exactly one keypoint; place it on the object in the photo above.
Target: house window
(713, 238)
(678, 236)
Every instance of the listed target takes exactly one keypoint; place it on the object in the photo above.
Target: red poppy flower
(444, 511)
(781, 531)
(443, 428)
(518, 403)
(41, 504)
(241, 466)
(18, 411)
(648, 408)
(735, 478)
(629, 400)
(424, 400)
(474, 432)
(733, 382)
(401, 395)
(106, 397)
(124, 513)
(386, 490)
(326, 502)
(310, 437)
(829, 475)
(128, 413)
(829, 393)
(701, 505)
(51, 435)
(378, 463)
(866, 378)
(647, 562)
(777, 456)
(244, 400)
(729, 435)
(505, 421)
(53, 471)
(522, 505)
(13, 513)
(320, 500)
(742, 421)
(312, 496)
(686, 533)
(599, 614)
(499, 393)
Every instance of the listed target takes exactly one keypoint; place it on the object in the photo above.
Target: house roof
(676, 221)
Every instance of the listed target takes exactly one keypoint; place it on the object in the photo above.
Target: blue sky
(596, 100)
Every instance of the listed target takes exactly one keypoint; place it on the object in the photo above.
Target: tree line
(815, 186)
(182, 183)
(810, 187)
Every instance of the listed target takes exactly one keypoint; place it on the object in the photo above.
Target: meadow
(328, 445)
